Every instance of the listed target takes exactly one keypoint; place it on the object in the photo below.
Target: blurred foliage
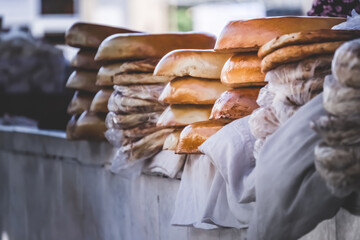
(184, 19)
(181, 19)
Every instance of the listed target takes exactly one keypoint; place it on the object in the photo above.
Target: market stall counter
(53, 188)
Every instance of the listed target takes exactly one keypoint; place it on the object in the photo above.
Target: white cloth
(193, 192)
(217, 189)
(231, 152)
(165, 163)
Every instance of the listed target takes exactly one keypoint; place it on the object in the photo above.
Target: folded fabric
(291, 197)
(217, 189)
(231, 152)
(165, 163)
(194, 189)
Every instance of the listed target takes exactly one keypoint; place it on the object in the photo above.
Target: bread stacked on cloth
(337, 156)
(245, 38)
(295, 65)
(88, 107)
(242, 74)
(134, 105)
(191, 95)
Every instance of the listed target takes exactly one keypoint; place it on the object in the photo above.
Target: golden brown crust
(318, 36)
(196, 134)
(243, 70)
(235, 103)
(190, 90)
(89, 126)
(250, 35)
(139, 78)
(182, 115)
(142, 45)
(84, 59)
(296, 53)
(80, 102)
(195, 63)
(100, 101)
(89, 35)
(83, 80)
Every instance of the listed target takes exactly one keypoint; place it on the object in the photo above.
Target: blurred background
(54, 16)
(34, 62)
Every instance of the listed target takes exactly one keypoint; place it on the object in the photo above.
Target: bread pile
(245, 38)
(296, 65)
(337, 156)
(191, 95)
(88, 107)
(134, 106)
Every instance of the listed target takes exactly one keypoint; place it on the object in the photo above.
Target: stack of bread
(337, 156)
(134, 106)
(88, 106)
(191, 95)
(245, 38)
(296, 65)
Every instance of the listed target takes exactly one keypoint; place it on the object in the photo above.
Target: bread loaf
(84, 59)
(194, 63)
(196, 134)
(89, 35)
(243, 70)
(250, 35)
(83, 81)
(143, 45)
(235, 103)
(100, 101)
(182, 115)
(299, 38)
(296, 53)
(89, 126)
(80, 102)
(190, 90)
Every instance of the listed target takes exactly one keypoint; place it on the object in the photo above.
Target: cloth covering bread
(89, 126)
(147, 146)
(84, 59)
(80, 102)
(345, 66)
(100, 101)
(121, 137)
(143, 45)
(149, 92)
(296, 53)
(263, 122)
(172, 140)
(83, 81)
(313, 67)
(89, 35)
(250, 35)
(243, 70)
(182, 115)
(140, 66)
(317, 36)
(340, 100)
(126, 105)
(194, 63)
(126, 121)
(134, 105)
(338, 131)
(235, 103)
(193, 135)
(107, 71)
(190, 90)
